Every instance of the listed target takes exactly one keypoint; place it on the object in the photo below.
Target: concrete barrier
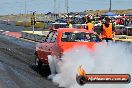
(19, 23)
(37, 36)
(39, 25)
(123, 37)
(26, 24)
(123, 40)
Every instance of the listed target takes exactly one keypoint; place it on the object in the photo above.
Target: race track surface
(16, 65)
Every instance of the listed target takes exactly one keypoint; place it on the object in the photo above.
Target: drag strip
(16, 65)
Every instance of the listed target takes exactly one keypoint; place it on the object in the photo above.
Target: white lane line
(27, 40)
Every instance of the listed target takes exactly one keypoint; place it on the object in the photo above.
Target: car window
(53, 40)
(130, 31)
(80, 37)
(49, 37)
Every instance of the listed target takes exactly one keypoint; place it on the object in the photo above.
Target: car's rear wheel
(38, 63)
(44, 69)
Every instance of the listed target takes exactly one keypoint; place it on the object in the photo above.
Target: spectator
(70, 24)
(107, 31)
(90, 26)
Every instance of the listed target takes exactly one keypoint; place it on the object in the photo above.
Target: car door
(54, 46)
(44, 48)
(48, 44)
(51, 45)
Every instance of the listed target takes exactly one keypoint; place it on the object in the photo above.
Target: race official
(70, 24)
(107, 31)
(90, 26)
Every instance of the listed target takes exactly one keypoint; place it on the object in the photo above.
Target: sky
(44, 6)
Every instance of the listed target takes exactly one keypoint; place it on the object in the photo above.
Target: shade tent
(109, 14)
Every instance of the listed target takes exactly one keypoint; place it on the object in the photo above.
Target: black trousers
(107, 39)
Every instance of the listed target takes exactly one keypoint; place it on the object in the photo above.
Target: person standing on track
(107, 31)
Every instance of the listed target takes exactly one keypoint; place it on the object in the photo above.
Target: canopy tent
(109, 14)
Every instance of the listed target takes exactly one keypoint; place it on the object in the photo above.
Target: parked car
(119, 29)
(127, 31)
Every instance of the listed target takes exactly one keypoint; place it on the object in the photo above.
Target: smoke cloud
(116, 58)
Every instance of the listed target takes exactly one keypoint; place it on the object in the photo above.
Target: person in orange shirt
(90, 26)
(107, 31)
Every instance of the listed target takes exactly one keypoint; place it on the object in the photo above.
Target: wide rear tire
(38, 63)
(43, 69)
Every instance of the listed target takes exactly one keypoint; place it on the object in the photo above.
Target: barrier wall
(37, 36)
(28, 24)
(19, 23)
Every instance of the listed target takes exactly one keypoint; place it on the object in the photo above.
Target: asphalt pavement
(17, 68)
(6, 27)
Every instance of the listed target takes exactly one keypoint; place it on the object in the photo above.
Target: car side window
(95, 38)
(53, 40)
(49, 37)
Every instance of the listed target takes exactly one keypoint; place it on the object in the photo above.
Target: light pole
(54, 6)
(54, 9)
(25, 6)
(110, 6)
(25, 11)
(67, 7)
(59, 9)
(33, 20)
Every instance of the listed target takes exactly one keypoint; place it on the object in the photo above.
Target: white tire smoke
(114, 58)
